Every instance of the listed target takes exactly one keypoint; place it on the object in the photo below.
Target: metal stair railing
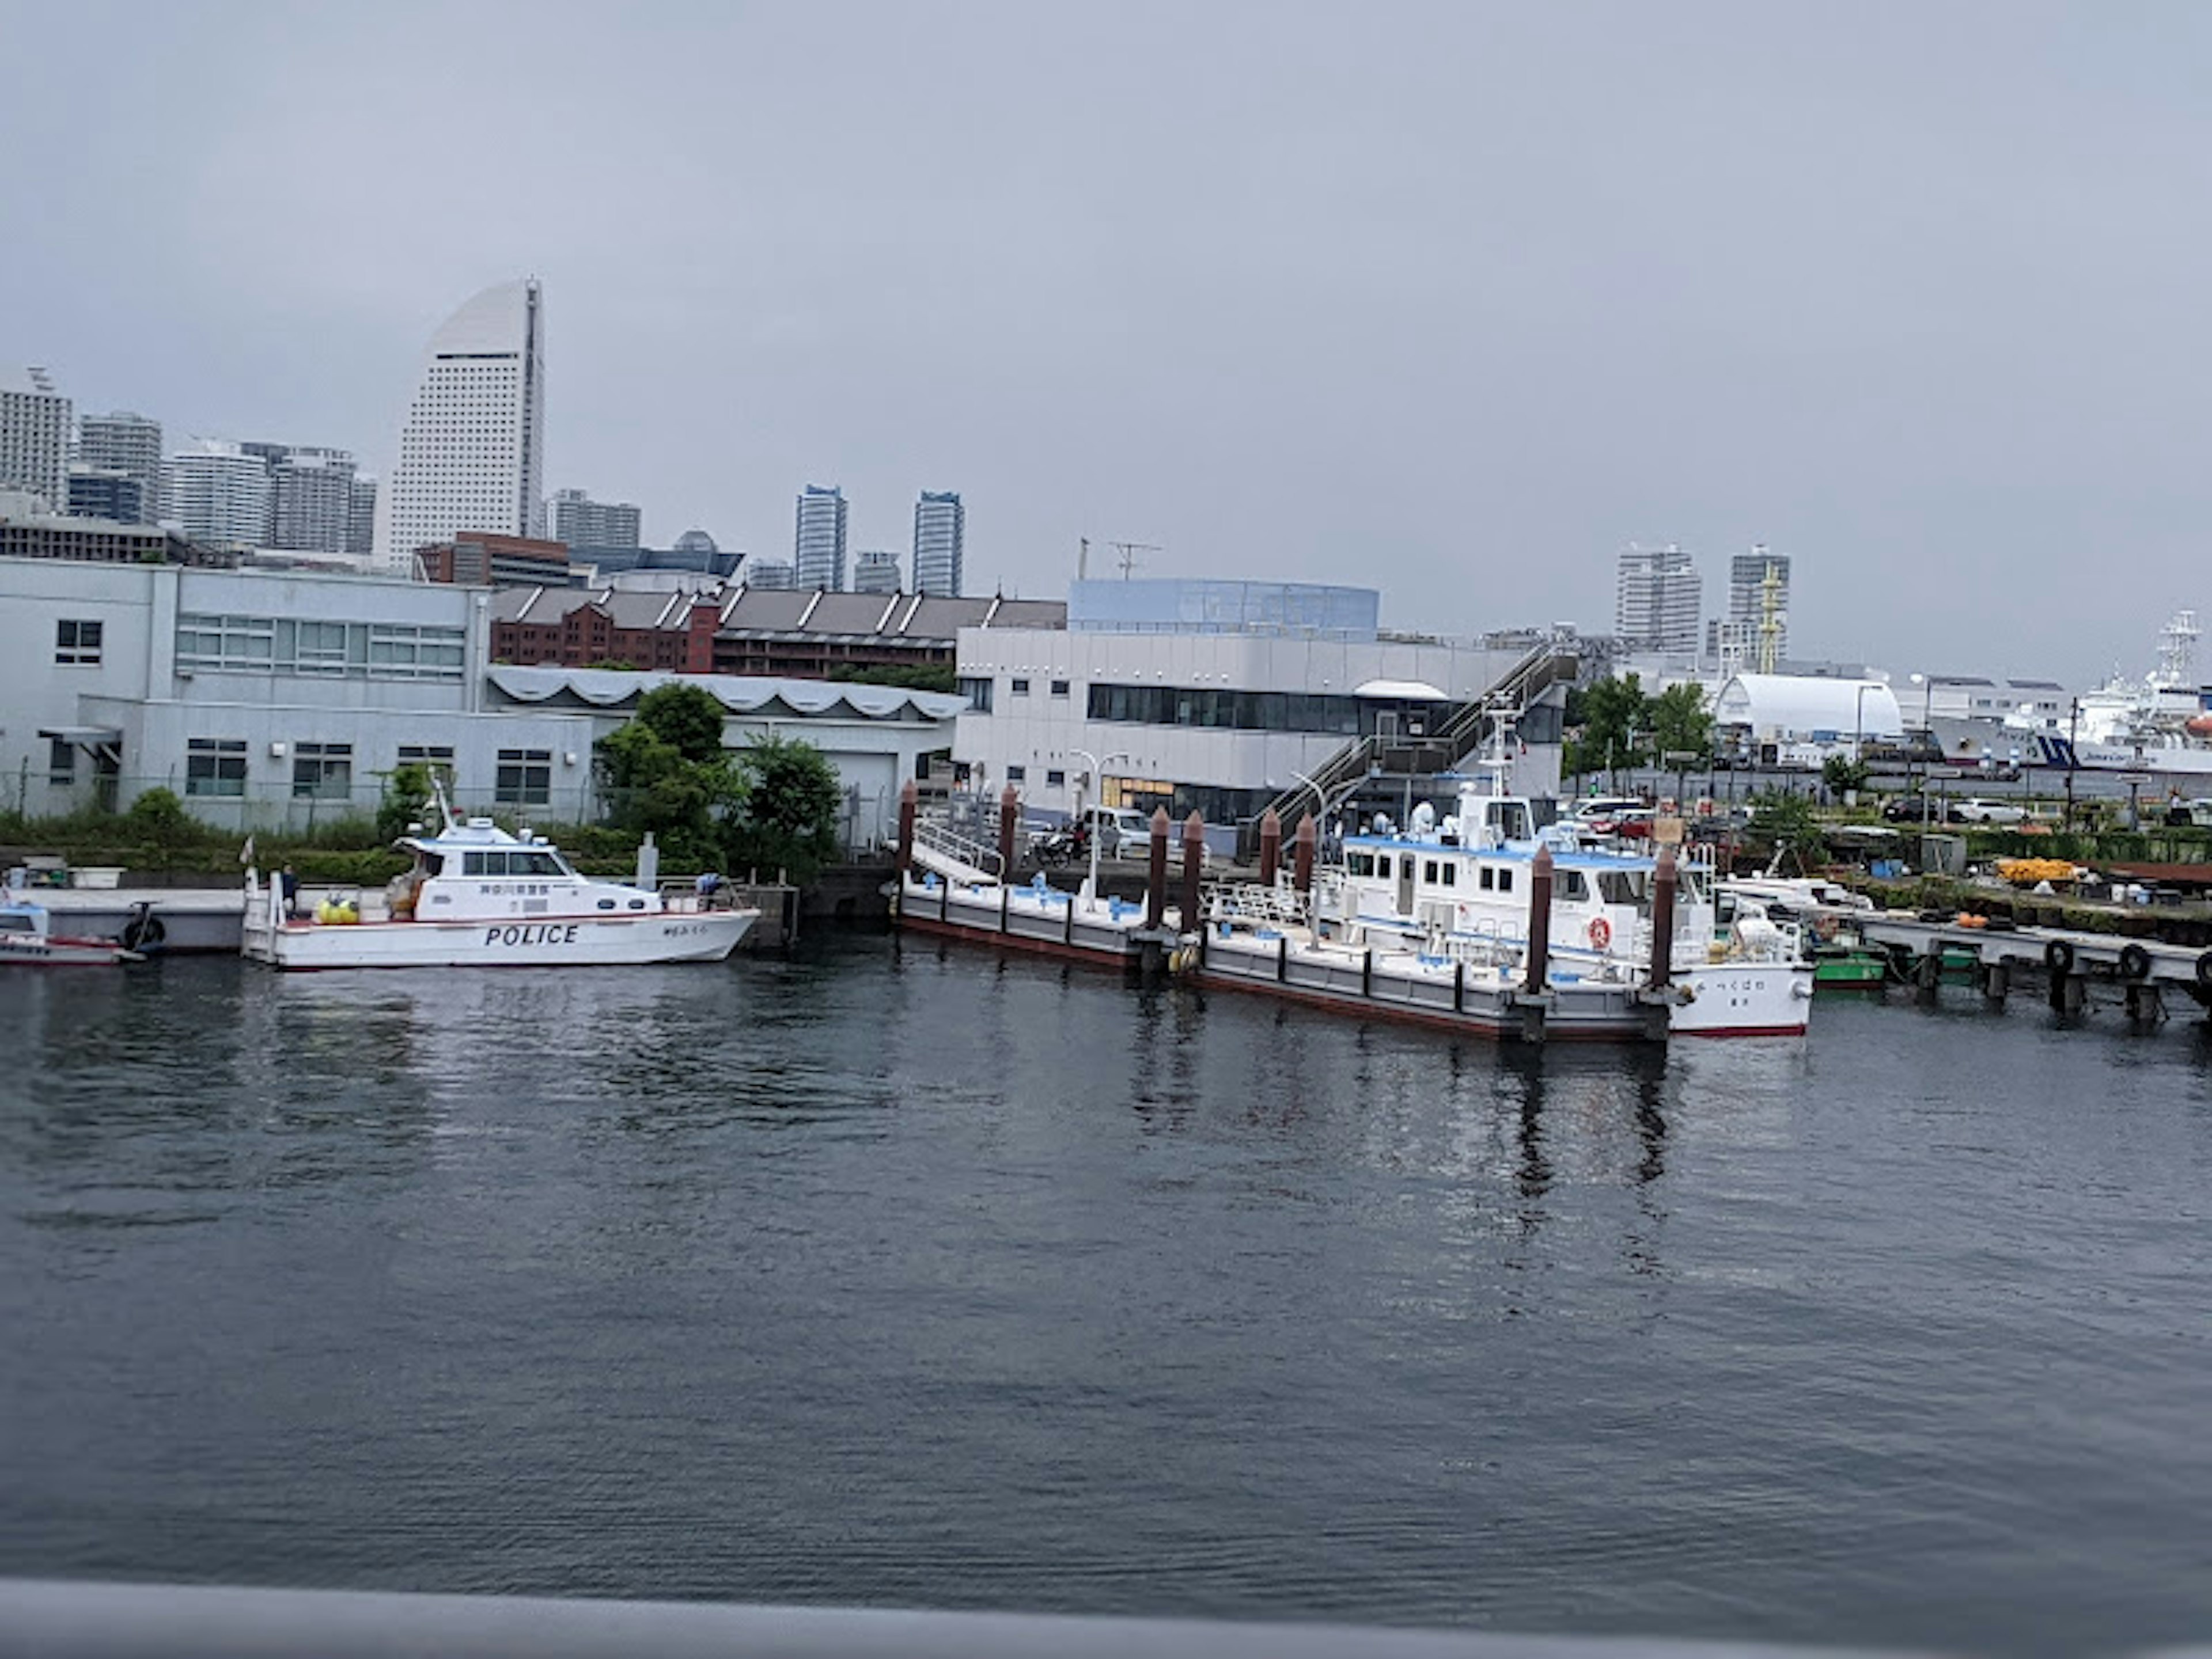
(954, 856)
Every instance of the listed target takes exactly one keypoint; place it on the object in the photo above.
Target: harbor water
(910, 1275)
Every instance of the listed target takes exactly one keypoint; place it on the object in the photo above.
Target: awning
(1402, 691)
(86, 737)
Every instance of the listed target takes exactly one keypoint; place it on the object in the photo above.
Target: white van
(1117, 827)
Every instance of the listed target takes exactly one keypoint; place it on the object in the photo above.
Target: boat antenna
(445, 807)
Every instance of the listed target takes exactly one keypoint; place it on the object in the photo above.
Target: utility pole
(2073, 759)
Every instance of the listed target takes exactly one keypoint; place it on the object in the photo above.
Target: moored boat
(28, 939)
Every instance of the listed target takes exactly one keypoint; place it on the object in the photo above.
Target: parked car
(1910, 809)
(1119, 828)
(1976, 809)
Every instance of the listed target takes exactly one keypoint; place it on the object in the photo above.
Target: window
(1504, 881)
(1017, 688)
(215, 766)
(322, 771)
(1429, 871)
(61, 763)
(1383, 864)
(1017, 775)
(387, 651)
(1360, 864)
(1451, 873)
(1572, 884)
(76, 644)
(1059, 687)
(977, 690)
(1489, 879)
(524, 777)
(438, 757)
(1055, 778)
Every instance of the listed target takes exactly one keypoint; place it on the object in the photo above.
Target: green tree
(922, 676)
(1682, 725)
(1842, 774)
(1785, 822)
(160, 819)
(406, 800)
(666, 771)
(788, 820)
(1616, 725)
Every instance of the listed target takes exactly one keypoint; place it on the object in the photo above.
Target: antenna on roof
(1125, 554)
(1082, 558)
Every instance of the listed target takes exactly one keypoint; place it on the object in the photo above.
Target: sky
(1450, 300)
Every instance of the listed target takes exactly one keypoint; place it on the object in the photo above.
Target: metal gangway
(945, 852)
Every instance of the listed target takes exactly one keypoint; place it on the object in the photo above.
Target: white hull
(1744, 999)
(539, 942)
(61, 953)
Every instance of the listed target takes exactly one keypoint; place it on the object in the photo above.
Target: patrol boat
(478, 895)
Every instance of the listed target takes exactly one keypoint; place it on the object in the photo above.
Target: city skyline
(1563, 311)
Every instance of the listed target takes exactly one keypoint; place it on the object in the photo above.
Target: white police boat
(28, 938)
(478, 895)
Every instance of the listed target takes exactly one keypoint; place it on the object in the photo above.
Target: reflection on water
(914, 1274)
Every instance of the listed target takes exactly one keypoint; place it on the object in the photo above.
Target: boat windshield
(515, 861)
(1507, 820)
(17, 921)
(1621, 886)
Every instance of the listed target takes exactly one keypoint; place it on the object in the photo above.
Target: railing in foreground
(57, 1620)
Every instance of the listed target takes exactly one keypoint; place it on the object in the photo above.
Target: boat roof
(1581, 858)
(473, 832)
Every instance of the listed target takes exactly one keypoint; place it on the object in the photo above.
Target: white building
(473, 449)
(1656, 601)
(34, 436)
(128, 443)
(1782, 718)
(217, 494)
(579, 521)
(311, 498)
(1751, 577)
(941, 536)
(875, 571)
(818, 541)
(1205, 695)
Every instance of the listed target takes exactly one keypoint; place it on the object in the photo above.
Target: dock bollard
(910, 801)
(1156, 876)
(1664, 881)
(1270, 846)
(1194, 860)
(1540, 921)
(1010, 812)
(1302, 855)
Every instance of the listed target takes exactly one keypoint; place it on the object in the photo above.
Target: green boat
(1848, 967)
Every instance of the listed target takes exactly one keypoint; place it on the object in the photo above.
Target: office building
(217, 494)
(1751, 577)
(777, 574)
(875, 571)
(1657, 603)
(102, 492)
(940, 531)
(807, 633)
(473, 448)
(818, 547)
(582, 522)
(126, 442)
(361, 517)
(29, 529)
(310, 497)
(480, 560)
(34, 435)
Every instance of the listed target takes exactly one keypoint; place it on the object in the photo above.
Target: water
(921, 1278)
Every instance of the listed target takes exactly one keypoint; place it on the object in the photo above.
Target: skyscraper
(1747, 604)
(940, 531)
(104, 492)
(218, 493)
(1655, 605)
(875, 571)
(472, 450)
(34, 436)
(310, 497)
(818, 547)
(582, 522)
(361, 516)
(770, 573)
(127, 443)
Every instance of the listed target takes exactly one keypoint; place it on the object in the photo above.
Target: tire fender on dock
(2135, 962)
(2058, 957)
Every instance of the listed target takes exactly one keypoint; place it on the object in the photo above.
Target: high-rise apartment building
(1748, 600)
(875, 571)
(217, 494)
(473, 449)
(310, 497)
(128, 443)
(940, 531)
(771, 572)
(361, 517)
(34, 436)
(105, 492)
(582, 522)
(1657, 603)
(818, 547)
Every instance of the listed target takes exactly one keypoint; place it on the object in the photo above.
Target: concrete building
(29, 530)
(940, 537)
(694, 554)
(473, 448)
(361, 517)
(1210, 696)
(813, 635)
(34, 435)
(818, 543)
(1800, 719)
(1656, 601)
(669, 632)
(126, 442)
(875, 571)
(103, 492)
(217, 495)
(777, 574)
(1748, 578)
(311, 497)
(582, 522)
(482, 560)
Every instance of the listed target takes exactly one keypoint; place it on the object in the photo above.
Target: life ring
(2135, 962)
(2058, 957)
(1601, 932)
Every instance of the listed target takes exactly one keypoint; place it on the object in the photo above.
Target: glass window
(1017, 775)
(977, 690)
(438, 757)
(1055, 777)
(1504, 881)
(1572, 884)
(1489, 879)
(1451, 873)
(215, 766)
(1018, 686)
(1429, 870)
(1382, 863)
(61, 761)
(77, 643)
(524, 777)
(1360, 864)
(1060, 688)
(1621, 887)
(322, 771)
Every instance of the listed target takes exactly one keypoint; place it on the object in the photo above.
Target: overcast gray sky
(1453, 300)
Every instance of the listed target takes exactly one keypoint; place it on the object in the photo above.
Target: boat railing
(938, 847)
(1255, 903)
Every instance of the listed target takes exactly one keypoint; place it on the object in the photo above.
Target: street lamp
(1858, 720)
(1091, 888)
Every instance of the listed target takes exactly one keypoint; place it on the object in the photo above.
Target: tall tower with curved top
(473, 448)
